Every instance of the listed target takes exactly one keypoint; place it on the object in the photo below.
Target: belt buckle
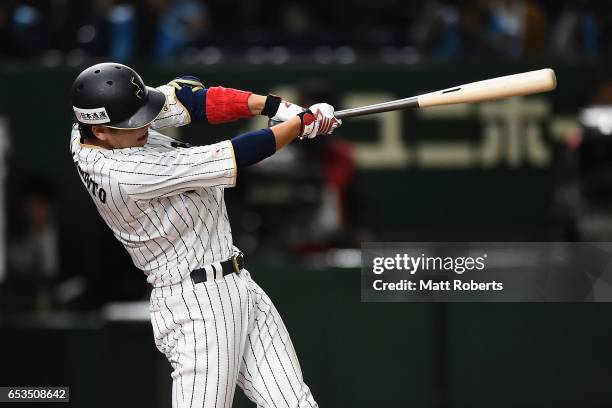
(238, 262)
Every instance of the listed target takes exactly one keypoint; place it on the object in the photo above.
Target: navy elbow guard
(192, 94)
(253, 147)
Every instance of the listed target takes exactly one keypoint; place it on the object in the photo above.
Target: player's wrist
(256, 104)
(279, 110)
(271, 105)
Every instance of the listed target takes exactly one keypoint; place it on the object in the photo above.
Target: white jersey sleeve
(144, 174)
(173, 113)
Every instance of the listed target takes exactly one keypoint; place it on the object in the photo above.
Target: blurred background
(73, 309)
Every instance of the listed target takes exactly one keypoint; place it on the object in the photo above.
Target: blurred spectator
(576, 31)
(110, 30)
(507, 22)
(121, 21)
(503, 28)
(536, 33)
(28, 30)
(5, 43)
(180, 24)
(340, 219)
(437, 31)
(34, 260)
(520, 25)
(441, 29)
(583, 173)
(295, 19)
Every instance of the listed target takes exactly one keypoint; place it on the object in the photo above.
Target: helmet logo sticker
(91, 116)
(138, 89)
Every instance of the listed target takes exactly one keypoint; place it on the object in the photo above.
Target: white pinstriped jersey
(164, 203)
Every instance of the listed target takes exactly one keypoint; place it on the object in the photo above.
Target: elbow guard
(253, 147)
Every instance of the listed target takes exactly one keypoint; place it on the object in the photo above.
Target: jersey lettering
(92, 186)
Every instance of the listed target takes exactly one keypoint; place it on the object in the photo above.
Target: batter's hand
(191, 82)
(319, 119)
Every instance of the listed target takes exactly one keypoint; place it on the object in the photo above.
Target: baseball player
(164, 201)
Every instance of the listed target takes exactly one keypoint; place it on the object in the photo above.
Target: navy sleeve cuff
(253, 147)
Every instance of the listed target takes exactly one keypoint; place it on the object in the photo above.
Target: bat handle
(272, 122)
(405, 103)
(341, 114)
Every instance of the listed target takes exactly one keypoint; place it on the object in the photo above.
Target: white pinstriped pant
(225, 332)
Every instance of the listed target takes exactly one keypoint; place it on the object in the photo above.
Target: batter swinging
(164, 201)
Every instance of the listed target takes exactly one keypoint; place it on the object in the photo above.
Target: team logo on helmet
(138, 88)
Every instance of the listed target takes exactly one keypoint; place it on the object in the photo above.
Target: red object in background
(574, 138)
(339, 170)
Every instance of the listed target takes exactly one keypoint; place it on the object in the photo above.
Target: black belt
(233, 265)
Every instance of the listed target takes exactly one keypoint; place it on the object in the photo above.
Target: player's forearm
(287, 131)
(268, 105)
(256, 104)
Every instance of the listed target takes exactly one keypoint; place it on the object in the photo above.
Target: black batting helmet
(114, 95)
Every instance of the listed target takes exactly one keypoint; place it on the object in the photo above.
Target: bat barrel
(526, 83)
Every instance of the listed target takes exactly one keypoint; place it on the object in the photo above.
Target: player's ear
(100, 132)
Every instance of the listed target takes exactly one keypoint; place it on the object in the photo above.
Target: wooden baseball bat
(525, 83)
